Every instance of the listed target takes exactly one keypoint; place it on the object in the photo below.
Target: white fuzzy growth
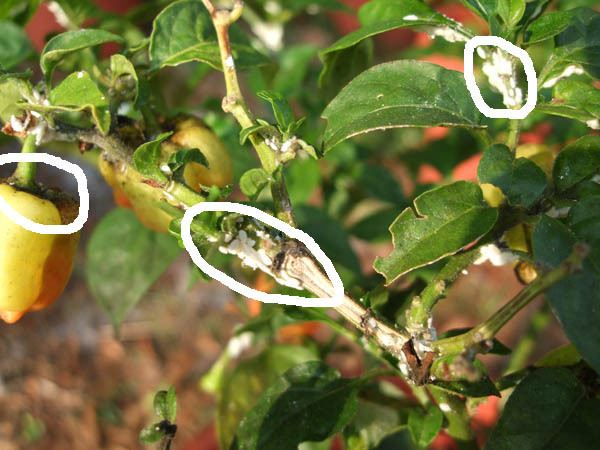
(39, 131)
(273, 8)
(166, 169)
(229, 62)
(557, 213)
(271, 34)
(19, 125)
(124, 108)
(569, 70)
(238, 344)
(445, 32)
(495, 255)
(271, 143)
(59, 14)
(593, 124)
(79, 74)
(243, 247)
(410, 17)
(287, 144)
(500, 71)
(445, 407)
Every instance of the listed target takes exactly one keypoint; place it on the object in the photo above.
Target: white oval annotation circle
(84, 196)
(338, 287)
(474, 89)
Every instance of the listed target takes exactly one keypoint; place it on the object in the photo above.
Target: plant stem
(281, 199)
(234, 102)
(421, 305)
(489, 328)
(514, 128)
(24, 175)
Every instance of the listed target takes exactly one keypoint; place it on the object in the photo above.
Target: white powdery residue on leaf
(270, 34)
(495, 255)
(558, 212)
(124, 108)
(59, 14)
(445, 32)
(238, 344)
(242, 246)
(445, 407)
(569, 70)
(410, 17)
(501, 73)
(593, 124)
(287, 144)
(19, 125)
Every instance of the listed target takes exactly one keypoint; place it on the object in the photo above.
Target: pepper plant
(317, 136)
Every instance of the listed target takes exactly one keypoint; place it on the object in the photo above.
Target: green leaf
(165, 404)
(124, 260)
(379, 183)
(13, 89)
(445, 220)
(309, 402)
(485, 8)
(341, 66)
(577, 44)
(151, 434)
(249, 381)
(521, 180)
(160, 404)
(120, 66)
(584, 221)
(263, 127)
(281, 108)
(376, 227)
(253, 182)
(146, 159)
(547, 26)
(565, 355)
(184, 32)
(576, 162)
(19, 11)
(15, 46)
(379, 16)
(399, 94)
(476, 384)
(68, 42)
(302, 177)
(330, 235)
(78, 92)
(548, 410)
(576, 100)
(575, 299)
(511, 11)
(178, 160)
(424, 426)
(371, 424)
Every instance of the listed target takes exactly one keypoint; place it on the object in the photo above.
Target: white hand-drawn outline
(474, 90)
(84, 196)
(338, 287)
